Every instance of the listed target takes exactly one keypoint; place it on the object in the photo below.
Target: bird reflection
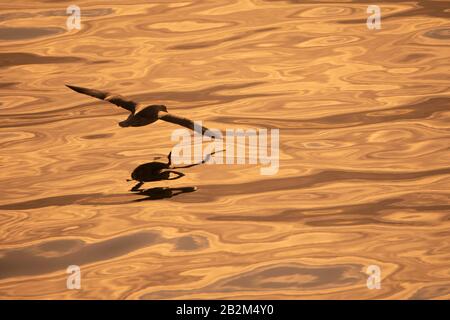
(158, 171)
(154, 171)
(163, 192)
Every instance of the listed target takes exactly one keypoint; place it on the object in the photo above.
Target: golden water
(364, 150)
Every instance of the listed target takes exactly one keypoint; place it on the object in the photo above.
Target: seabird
(140, 115)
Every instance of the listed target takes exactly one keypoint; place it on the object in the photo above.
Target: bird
(141, 115)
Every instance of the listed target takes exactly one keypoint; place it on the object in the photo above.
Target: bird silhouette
(141, 115)
(153, 171)
(157, 171)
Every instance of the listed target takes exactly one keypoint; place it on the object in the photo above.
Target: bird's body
(141, 115)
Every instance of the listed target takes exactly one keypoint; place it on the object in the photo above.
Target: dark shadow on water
(154, 171)
(159, 171)
(96, 199)
(54, 255)
(163, 193)
(210, 192)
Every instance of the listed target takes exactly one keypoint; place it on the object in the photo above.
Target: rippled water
(364, 150)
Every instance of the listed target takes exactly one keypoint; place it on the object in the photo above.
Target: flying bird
(141, 115)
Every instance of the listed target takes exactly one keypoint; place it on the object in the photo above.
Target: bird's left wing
(107, 96)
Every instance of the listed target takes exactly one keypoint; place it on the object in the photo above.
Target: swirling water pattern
(364, 150)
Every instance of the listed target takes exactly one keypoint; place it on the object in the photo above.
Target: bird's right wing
(185, 122)
(106, 96)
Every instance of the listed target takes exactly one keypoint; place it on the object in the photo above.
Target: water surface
(364, 150)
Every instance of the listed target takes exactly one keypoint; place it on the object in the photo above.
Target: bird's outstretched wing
(107, 96)
(185, 122)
